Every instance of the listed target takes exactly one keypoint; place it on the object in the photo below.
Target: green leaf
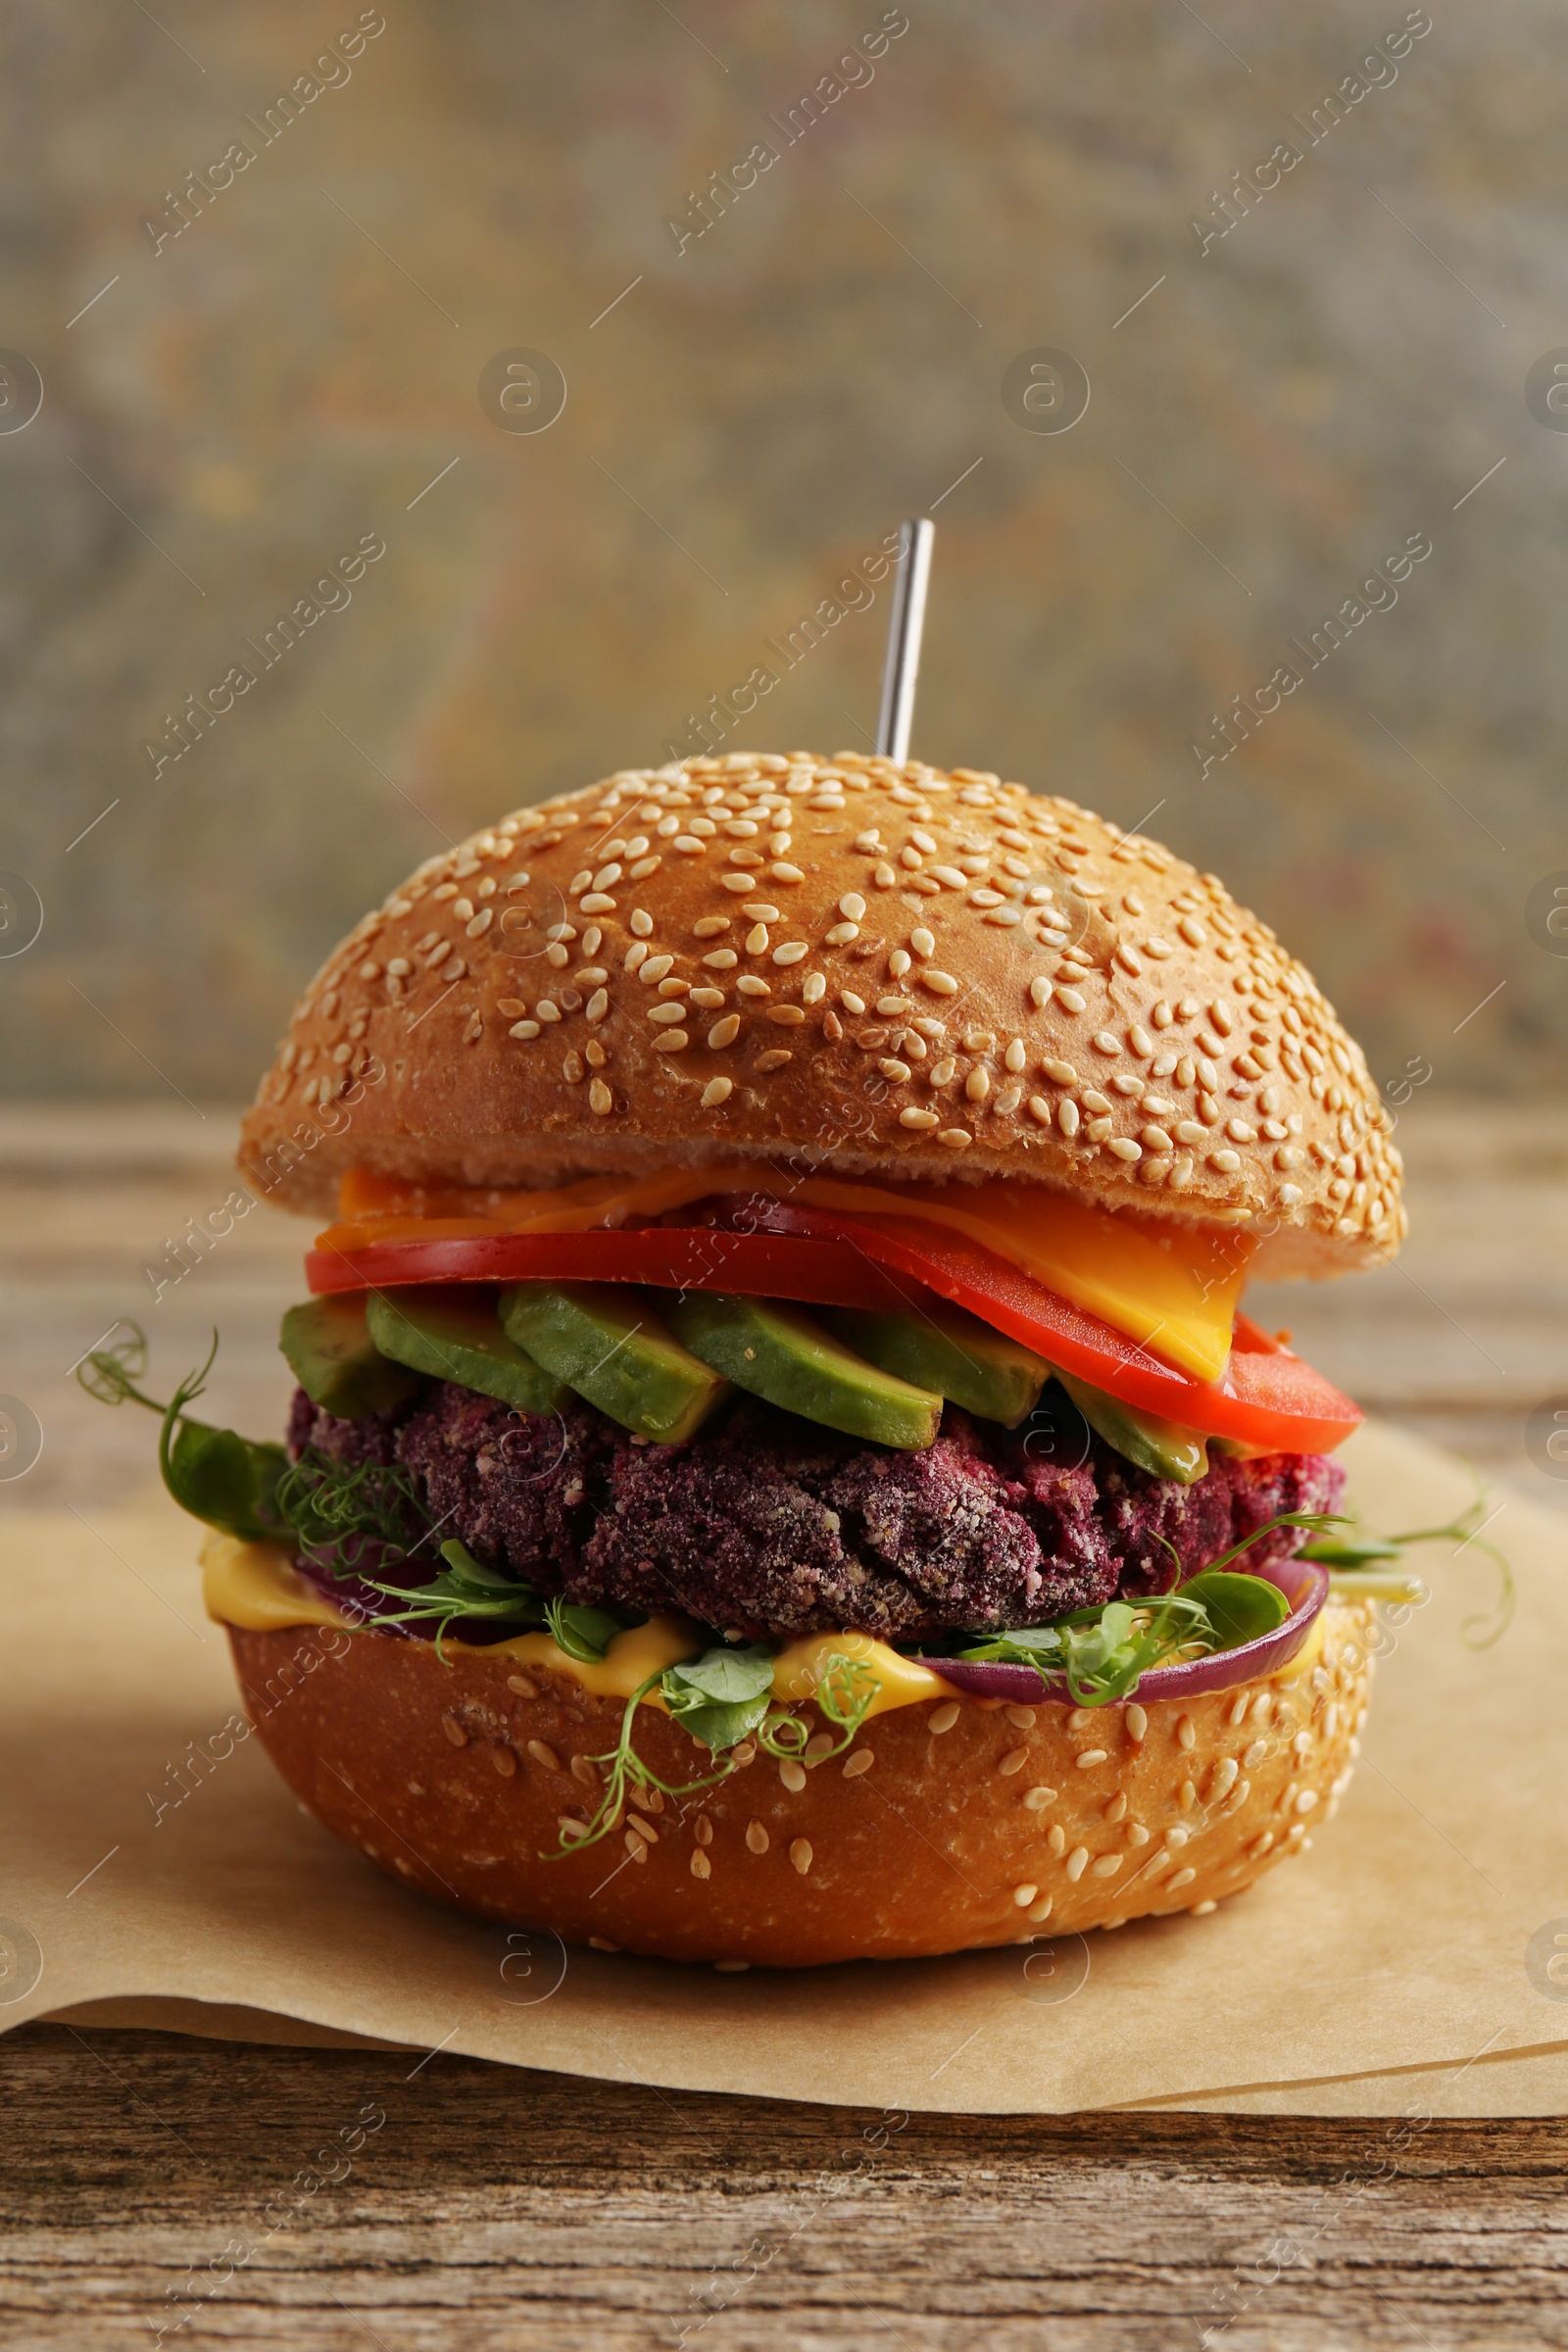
(1240, 1608)
(228, 1481)
(463, 1564)
(722, 1695)
(584, 1632)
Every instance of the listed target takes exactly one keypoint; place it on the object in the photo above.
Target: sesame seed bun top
(909, 971)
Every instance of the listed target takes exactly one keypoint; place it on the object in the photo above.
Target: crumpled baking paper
(154, 1871)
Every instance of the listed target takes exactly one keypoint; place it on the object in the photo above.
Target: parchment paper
(1404, 1964)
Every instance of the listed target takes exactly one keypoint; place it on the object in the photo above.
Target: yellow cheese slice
(1174, 1291)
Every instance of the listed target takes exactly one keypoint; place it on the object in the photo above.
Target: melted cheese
(257, 1586)
(1175, 1292)
(799, 1668)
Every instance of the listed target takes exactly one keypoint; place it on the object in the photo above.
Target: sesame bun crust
(920, 973)
(455, 1779)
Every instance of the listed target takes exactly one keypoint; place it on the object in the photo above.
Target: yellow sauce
(255, 1585)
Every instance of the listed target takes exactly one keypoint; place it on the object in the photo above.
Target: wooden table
(493, 2208)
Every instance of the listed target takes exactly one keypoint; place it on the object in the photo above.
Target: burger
(778, 1472)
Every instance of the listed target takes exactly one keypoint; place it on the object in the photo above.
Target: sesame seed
(955, 1138)
(1056, 1838)
(861, 1761)
(717, 1090)
(1187, 1797)
(842, 934)
(543, 1754)
(941, 983)
(601, 1101)
(726, 1032)
(1306, 1799)
(792, 1774)
(1077, 1862)
(1225, 1772)
(774, 1059)
(701, 1866)
(800, 1854)
(453, 1730)
(1036, 1799)
(1013, 1762)
(1185, 1736)
(1067, 1118)
(523, 1029)
(791, 952)
(943, 1718)
(1071, 1000)
(1088, 1757)
(1107, 1866)
(757, 1837)
(917, 1118)
(1024, 1895)
(672, 1040)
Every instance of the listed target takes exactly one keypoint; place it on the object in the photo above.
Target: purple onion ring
(1305, 1584)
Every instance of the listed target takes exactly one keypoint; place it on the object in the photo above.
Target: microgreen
(337, 1510)
(1103, 1653)
(582, 1631)
(465, 1588)
(844, 1694)
(1351, 1563)
(722, 1695)
(226, 1481)
(623, 1765)
(721, 1699)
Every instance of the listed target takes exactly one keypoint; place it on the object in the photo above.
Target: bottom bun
(972, 1822)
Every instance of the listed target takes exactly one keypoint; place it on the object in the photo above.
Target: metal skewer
(900, 667)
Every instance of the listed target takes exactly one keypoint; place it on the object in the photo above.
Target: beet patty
(766, 1524)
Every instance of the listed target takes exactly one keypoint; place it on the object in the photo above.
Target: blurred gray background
(1280, 413)
(1273, 412)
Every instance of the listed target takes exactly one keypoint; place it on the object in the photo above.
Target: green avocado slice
(454, 1334)
(335, 1360)
(605, 1340)
(795, 1362)
(943, 1347)
(1150, 1443)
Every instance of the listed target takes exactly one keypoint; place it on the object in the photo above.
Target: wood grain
(499, 2209)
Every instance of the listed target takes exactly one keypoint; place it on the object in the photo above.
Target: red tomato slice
(671, 1257)
(1267, 1398)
